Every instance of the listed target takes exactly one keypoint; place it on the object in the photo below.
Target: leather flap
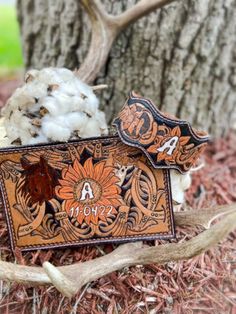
(166, 141)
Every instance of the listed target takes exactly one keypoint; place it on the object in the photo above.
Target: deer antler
(69, 279)
(105, 29)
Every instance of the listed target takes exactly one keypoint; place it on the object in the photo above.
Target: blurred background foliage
(11, 60)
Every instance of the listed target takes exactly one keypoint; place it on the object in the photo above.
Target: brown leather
(166, 141)
(88, 191)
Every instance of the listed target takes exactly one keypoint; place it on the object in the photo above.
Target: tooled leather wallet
(98, 190)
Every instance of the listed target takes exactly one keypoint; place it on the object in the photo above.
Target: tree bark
(183, 56)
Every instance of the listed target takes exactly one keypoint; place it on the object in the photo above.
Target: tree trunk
(183, 57)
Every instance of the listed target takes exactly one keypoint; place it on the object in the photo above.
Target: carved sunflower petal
(107, 172)
(63, 193)
(109, 193)
(109, 180)
(89, 168)
(66, 189)
(69, 174)
(66, 182)
(79, 169)
(105, 201)
(99, 171)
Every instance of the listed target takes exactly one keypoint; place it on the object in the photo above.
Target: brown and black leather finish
(166, 141)
(85, 192)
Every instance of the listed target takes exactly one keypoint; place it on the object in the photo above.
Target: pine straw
(205, 284)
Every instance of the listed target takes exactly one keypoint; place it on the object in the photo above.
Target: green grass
(10, 48)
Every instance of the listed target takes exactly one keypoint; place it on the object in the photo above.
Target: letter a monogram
(87, 190)
(170, 145)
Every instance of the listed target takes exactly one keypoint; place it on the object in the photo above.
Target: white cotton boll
(49, 76)
(19, 126)
(66, 123)
(35, 108)
(68, 88)
(76, 120)
(100, 116)
(22, 121)
(77, 104)
(89, 106)
(20, 101)
(65, 74)
(92, 129)
(96, 126)
(179, 183)
(55, 130)
(53, 105)
(35, 89)
(90, 101)
(63, 102)
(25, 137)
(12, 132)
(83, 88)
(186, 181)
(31, 75)
(4, 141)
(38, 139)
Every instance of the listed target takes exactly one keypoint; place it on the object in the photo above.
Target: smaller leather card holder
(84, 192)
(165, 140)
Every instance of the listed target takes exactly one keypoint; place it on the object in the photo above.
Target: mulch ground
(204, 284)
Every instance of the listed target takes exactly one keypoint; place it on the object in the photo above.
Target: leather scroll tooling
(90, 191)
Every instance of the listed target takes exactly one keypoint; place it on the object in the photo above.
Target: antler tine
(204, 217)
(104, 33)
(69, 279)
(142, 8)
(60, 281)
(105, 29)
